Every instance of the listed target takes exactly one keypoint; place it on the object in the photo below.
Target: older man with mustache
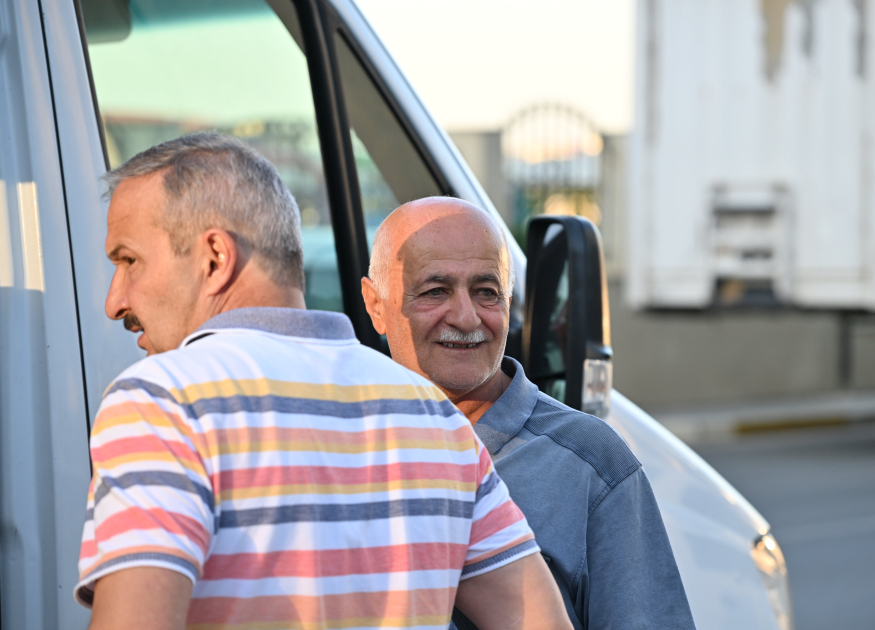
(439, 289)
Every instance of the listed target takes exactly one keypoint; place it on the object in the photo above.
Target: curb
(824, 410)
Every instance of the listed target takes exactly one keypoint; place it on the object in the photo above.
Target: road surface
(817, 489)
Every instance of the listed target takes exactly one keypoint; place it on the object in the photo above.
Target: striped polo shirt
(298, 478)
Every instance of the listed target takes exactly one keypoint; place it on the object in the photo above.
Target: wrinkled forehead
(462, 243)
(135, 211)
(138, 197)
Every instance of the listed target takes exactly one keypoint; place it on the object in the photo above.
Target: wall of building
(666, 360)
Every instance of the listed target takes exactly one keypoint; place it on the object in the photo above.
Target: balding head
(439, 289)
(412, 216)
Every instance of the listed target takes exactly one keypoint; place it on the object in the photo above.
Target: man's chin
(456, 385)
(458, 379)
(144, 344)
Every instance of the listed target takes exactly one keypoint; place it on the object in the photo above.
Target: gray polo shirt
(591, 507)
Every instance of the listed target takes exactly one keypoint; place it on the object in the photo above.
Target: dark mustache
(131, 321)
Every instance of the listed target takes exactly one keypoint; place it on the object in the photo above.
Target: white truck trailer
(751, 163)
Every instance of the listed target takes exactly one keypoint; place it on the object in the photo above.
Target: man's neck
(268, 294)
(256, 292)
(478, 401)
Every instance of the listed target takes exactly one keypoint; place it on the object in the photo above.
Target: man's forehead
(456, 236)
(462, 263)
(441, 238)
(454, 268)
(450, 248)
(134, 210)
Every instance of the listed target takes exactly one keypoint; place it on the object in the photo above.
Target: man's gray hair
(218, 181)
(378, 268)
(381, 257)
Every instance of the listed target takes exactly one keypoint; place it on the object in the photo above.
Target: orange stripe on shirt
(131, 411)
(501, 517)
(386, 605)
(462, 436)
(336, 562)
(327, 447)
(143, 444)
(139, 549)
(333, 624)
(485, 465)
(495, 552)
(159, 456)
(277, 480)
(236, 494)
(255, 387)
(399, 471)
(88, 549)
(133, 519)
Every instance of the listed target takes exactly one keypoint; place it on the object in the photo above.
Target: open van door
(566, 337)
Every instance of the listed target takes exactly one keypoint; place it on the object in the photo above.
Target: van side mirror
(566, 337)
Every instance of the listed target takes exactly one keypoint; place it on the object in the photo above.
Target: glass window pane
(390, 169)
(163, 68)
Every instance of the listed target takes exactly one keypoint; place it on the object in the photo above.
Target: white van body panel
(710, 525)
(107, 347)
(44, 471)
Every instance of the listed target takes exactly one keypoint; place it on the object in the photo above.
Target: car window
(390, 169)
(163, 68)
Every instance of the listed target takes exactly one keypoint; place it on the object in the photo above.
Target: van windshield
(163, 68)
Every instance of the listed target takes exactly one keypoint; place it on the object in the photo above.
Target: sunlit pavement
(816, 486)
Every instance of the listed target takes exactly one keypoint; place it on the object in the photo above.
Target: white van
(86, 84)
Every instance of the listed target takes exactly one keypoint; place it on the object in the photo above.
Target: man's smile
(461, 346)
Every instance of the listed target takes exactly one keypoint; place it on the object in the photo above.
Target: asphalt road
(817, 489)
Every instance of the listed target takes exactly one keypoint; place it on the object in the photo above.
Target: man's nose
(116, 306)
(463, 312)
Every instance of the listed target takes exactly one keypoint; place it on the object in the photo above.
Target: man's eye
(436, 292)
(129, 260)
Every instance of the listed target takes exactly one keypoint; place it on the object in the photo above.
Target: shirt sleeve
(151, 501)
(631, 578)
(500, 533)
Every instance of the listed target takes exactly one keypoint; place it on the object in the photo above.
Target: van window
(390, 169)
(163, 68)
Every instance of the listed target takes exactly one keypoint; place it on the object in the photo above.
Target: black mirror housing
(566, 336)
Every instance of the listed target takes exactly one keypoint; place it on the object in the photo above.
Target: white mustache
(453, 335)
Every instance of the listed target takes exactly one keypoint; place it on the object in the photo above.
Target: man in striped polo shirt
(261, 468)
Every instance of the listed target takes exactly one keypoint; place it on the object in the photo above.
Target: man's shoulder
(346, 359)
(589, 438)
(156, 376)
(217, 358)
(167, 374)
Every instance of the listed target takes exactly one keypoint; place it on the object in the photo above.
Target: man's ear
(374, 305)
(220, 259)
